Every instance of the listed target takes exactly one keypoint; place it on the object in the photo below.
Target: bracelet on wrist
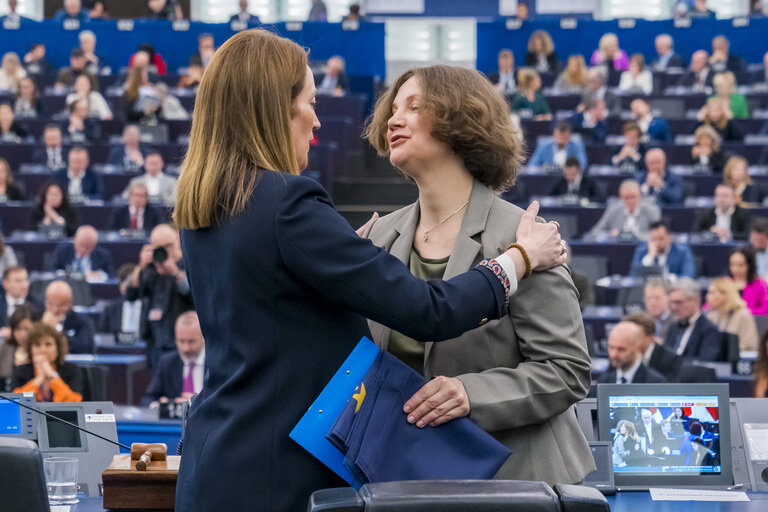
(526, 259)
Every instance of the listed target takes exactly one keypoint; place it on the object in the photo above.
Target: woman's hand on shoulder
(541, 241)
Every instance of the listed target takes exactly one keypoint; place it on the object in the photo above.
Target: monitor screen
(10, 418)
(666, 435)
(61, 435)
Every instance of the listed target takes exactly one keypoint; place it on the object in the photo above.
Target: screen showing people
(653, 434)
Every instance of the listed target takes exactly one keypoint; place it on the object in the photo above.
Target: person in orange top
(48, 376)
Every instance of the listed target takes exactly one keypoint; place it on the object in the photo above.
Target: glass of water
(61, 480)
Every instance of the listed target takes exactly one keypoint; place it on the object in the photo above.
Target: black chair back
(23, 488)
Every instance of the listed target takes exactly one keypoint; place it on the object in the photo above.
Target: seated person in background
(722, 59)
(130, 154)
(717, 113)
(742, 270)
(77, 66)
(727, 220)
(699, 76)
(72, 11)
(504, 78)
(191, 79)
(88, 45)
(650, 430)
(13, 350)
(48, 376)
(146, 57)
(595, 89)
(35, 63)
(624, 344)
(353, 14)
(11, 132)
(729, 312)
(9, 191)
(243, 16)
(653, 128)
(165, 10)
(161, 187)
(205, 49)
(660, 251)
(554, 152)
(653, 354)
(761, 369)
(758, 242)
(97, 106)
(14, 295)
(736, 176)
(79, 127)
(656, 300)
(699, 10)
(590, 122)
(53, 209)
(52, 154)
(122, 315)
(692, 336)
(28, 104)
(334, 81)
(573, 80)
(629, 158)
(78, 178)
(58, 313)
(725, 89)
(83, 256)
(636, 79)
(528, 102)
(141, 101)
(630, 216)
(98, 10)
(541, 52)
(609, 54)
(179, 375)
(7, 256)
(666, 57)
(658, 184)
(171, 108)
(318, 11)
(706, 153)
(137, 215)
(573, 183)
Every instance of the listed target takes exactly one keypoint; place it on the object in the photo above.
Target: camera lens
(159, 255)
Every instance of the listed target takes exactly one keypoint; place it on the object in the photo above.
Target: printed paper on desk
(659, 494)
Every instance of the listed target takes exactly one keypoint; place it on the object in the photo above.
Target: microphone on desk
(38, 411)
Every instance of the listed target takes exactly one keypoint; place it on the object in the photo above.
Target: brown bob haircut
(468, 114)
(241, 124)
(39, 331)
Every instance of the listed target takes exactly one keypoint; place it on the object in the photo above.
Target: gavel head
(159, 451)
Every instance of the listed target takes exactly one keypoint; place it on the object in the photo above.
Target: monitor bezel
(622, 479)
(42, 428)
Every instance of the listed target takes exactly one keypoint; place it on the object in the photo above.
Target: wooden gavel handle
(144, 460)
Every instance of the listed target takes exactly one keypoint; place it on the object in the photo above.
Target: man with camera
(160, 279)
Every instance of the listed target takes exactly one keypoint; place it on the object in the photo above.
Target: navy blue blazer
(40, 156)
(282, 292)
(679, 260)
(672, 193)
(666, 362)
(64, 258)
(167, 379)
(117, 154)
(78, 329)
(34, 304)
(252, 20)
(92, 185)
(121, 218)
(658, 130)
(704, 343)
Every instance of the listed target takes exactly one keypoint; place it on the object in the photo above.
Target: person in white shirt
(97, 105)
(161, 187)
(636, 79)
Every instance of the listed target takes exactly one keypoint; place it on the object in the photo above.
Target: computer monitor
(57, 436)
(15, 420)
(667, 435)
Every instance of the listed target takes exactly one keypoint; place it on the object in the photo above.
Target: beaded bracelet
(526, 259)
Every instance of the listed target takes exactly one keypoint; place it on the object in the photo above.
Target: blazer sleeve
(672, 193)
(746, 329)
(323, 250)
(547, 322)
(710, 344)
(537, 159)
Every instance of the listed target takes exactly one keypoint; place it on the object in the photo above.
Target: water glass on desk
(61, 480)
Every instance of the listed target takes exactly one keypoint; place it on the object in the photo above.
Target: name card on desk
(658, 494)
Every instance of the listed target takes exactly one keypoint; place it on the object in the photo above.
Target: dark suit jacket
(91, 131)
(111, 320)
(689, 79)
(643, 375)
(739, 222)
(91, 183)
(14, 192)
(531, 60)
(704, 343)
(251, 19)
(64, 258)
(71, 219)
(716, 161)
(37, 306)
(595, 134)
(342, 81)
(672, 193)
(658, 130)
(679, 259)
(71, 374)
(277, 331)
(40, 156)
(121, 218)
(675, 61)
(666, 362)
(167, 379)
(117, 154)
(587, 188)
(656, 433)
(78, 328)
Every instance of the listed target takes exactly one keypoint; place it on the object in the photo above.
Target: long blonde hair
(240, 124)
(733, 302)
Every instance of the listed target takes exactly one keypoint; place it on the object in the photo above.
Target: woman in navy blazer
(282, 284)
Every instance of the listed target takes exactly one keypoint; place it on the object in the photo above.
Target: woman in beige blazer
(448, 130)
(730, 314)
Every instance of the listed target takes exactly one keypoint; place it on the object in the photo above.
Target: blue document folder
(311, 430)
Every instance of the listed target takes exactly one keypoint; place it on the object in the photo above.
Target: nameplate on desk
(660, 494)
(171, 411)
(126, 338)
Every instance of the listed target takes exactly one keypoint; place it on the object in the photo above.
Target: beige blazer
(523, 372)
(740, 322)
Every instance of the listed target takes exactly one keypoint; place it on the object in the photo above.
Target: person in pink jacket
(754, 290)
(609, 53)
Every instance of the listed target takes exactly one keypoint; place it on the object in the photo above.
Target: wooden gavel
(144, 453)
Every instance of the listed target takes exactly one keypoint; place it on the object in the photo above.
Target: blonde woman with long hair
(573, 79)
(11, 73)
(283, 285)
(730, 314)
(541, 52)
(736, 176)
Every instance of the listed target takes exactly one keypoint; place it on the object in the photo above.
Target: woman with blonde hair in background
(288, 263)
(725, 89)
(609, 54)
(541, 52)
(11, 73)
(573, 79)
(730, 314)
(528, 101)
(736, 176)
